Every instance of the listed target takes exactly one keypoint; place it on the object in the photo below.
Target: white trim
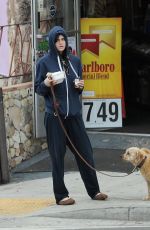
(74, 70)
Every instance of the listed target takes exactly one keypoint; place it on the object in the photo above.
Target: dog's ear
(147, 151)
(139, 155)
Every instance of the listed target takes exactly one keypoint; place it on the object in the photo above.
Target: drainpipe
(34, 25)
(4, 171)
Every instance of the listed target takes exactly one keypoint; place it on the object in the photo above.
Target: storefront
(135, 57)
(135, 53)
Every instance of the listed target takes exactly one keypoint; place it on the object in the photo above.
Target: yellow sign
(101, 57)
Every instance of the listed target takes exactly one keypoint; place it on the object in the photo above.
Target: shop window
(100, 8)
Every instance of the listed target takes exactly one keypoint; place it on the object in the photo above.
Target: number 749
(103, 113)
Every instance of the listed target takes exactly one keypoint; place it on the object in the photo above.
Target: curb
(109, 213)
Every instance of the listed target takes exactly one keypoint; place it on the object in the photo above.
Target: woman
(69, 107)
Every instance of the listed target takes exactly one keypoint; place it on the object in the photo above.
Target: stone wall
(18, 111)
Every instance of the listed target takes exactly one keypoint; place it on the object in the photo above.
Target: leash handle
(75, 149)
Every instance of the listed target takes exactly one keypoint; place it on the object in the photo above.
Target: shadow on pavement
(105, 160)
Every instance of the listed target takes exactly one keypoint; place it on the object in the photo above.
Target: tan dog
(140, 158)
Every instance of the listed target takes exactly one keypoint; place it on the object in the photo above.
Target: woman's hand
(49, 81)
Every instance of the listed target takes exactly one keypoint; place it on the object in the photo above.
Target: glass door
(46, 14)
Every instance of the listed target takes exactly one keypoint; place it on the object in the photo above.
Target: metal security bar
(19, 48)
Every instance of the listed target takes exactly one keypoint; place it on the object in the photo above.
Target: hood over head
(54, 32)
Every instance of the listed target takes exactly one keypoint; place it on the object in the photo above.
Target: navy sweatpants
(57, 142)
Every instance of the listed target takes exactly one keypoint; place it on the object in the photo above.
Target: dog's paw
(147, 198)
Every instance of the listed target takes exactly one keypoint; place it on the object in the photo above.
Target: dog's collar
(141, 163)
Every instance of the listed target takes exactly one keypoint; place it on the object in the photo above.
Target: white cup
(57, 76)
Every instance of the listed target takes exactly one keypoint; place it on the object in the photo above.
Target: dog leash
(56, 113)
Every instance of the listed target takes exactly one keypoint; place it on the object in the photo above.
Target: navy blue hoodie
(66, 94)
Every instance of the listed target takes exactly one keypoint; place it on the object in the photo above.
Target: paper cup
(58, 76)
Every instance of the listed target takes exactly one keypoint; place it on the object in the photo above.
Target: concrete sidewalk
(124, 204)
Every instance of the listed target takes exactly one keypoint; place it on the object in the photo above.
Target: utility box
(4, 170)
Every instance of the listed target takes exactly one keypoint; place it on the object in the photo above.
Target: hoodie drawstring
(59, 63)
(74, 70)
(58, 58)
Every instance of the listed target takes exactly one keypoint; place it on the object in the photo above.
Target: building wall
(18, 112)
(16, 76)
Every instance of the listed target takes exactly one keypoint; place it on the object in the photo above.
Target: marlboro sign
(101, 57)
(101, 61)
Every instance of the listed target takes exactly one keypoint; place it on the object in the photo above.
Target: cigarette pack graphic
(90, 42)
(107, 34)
